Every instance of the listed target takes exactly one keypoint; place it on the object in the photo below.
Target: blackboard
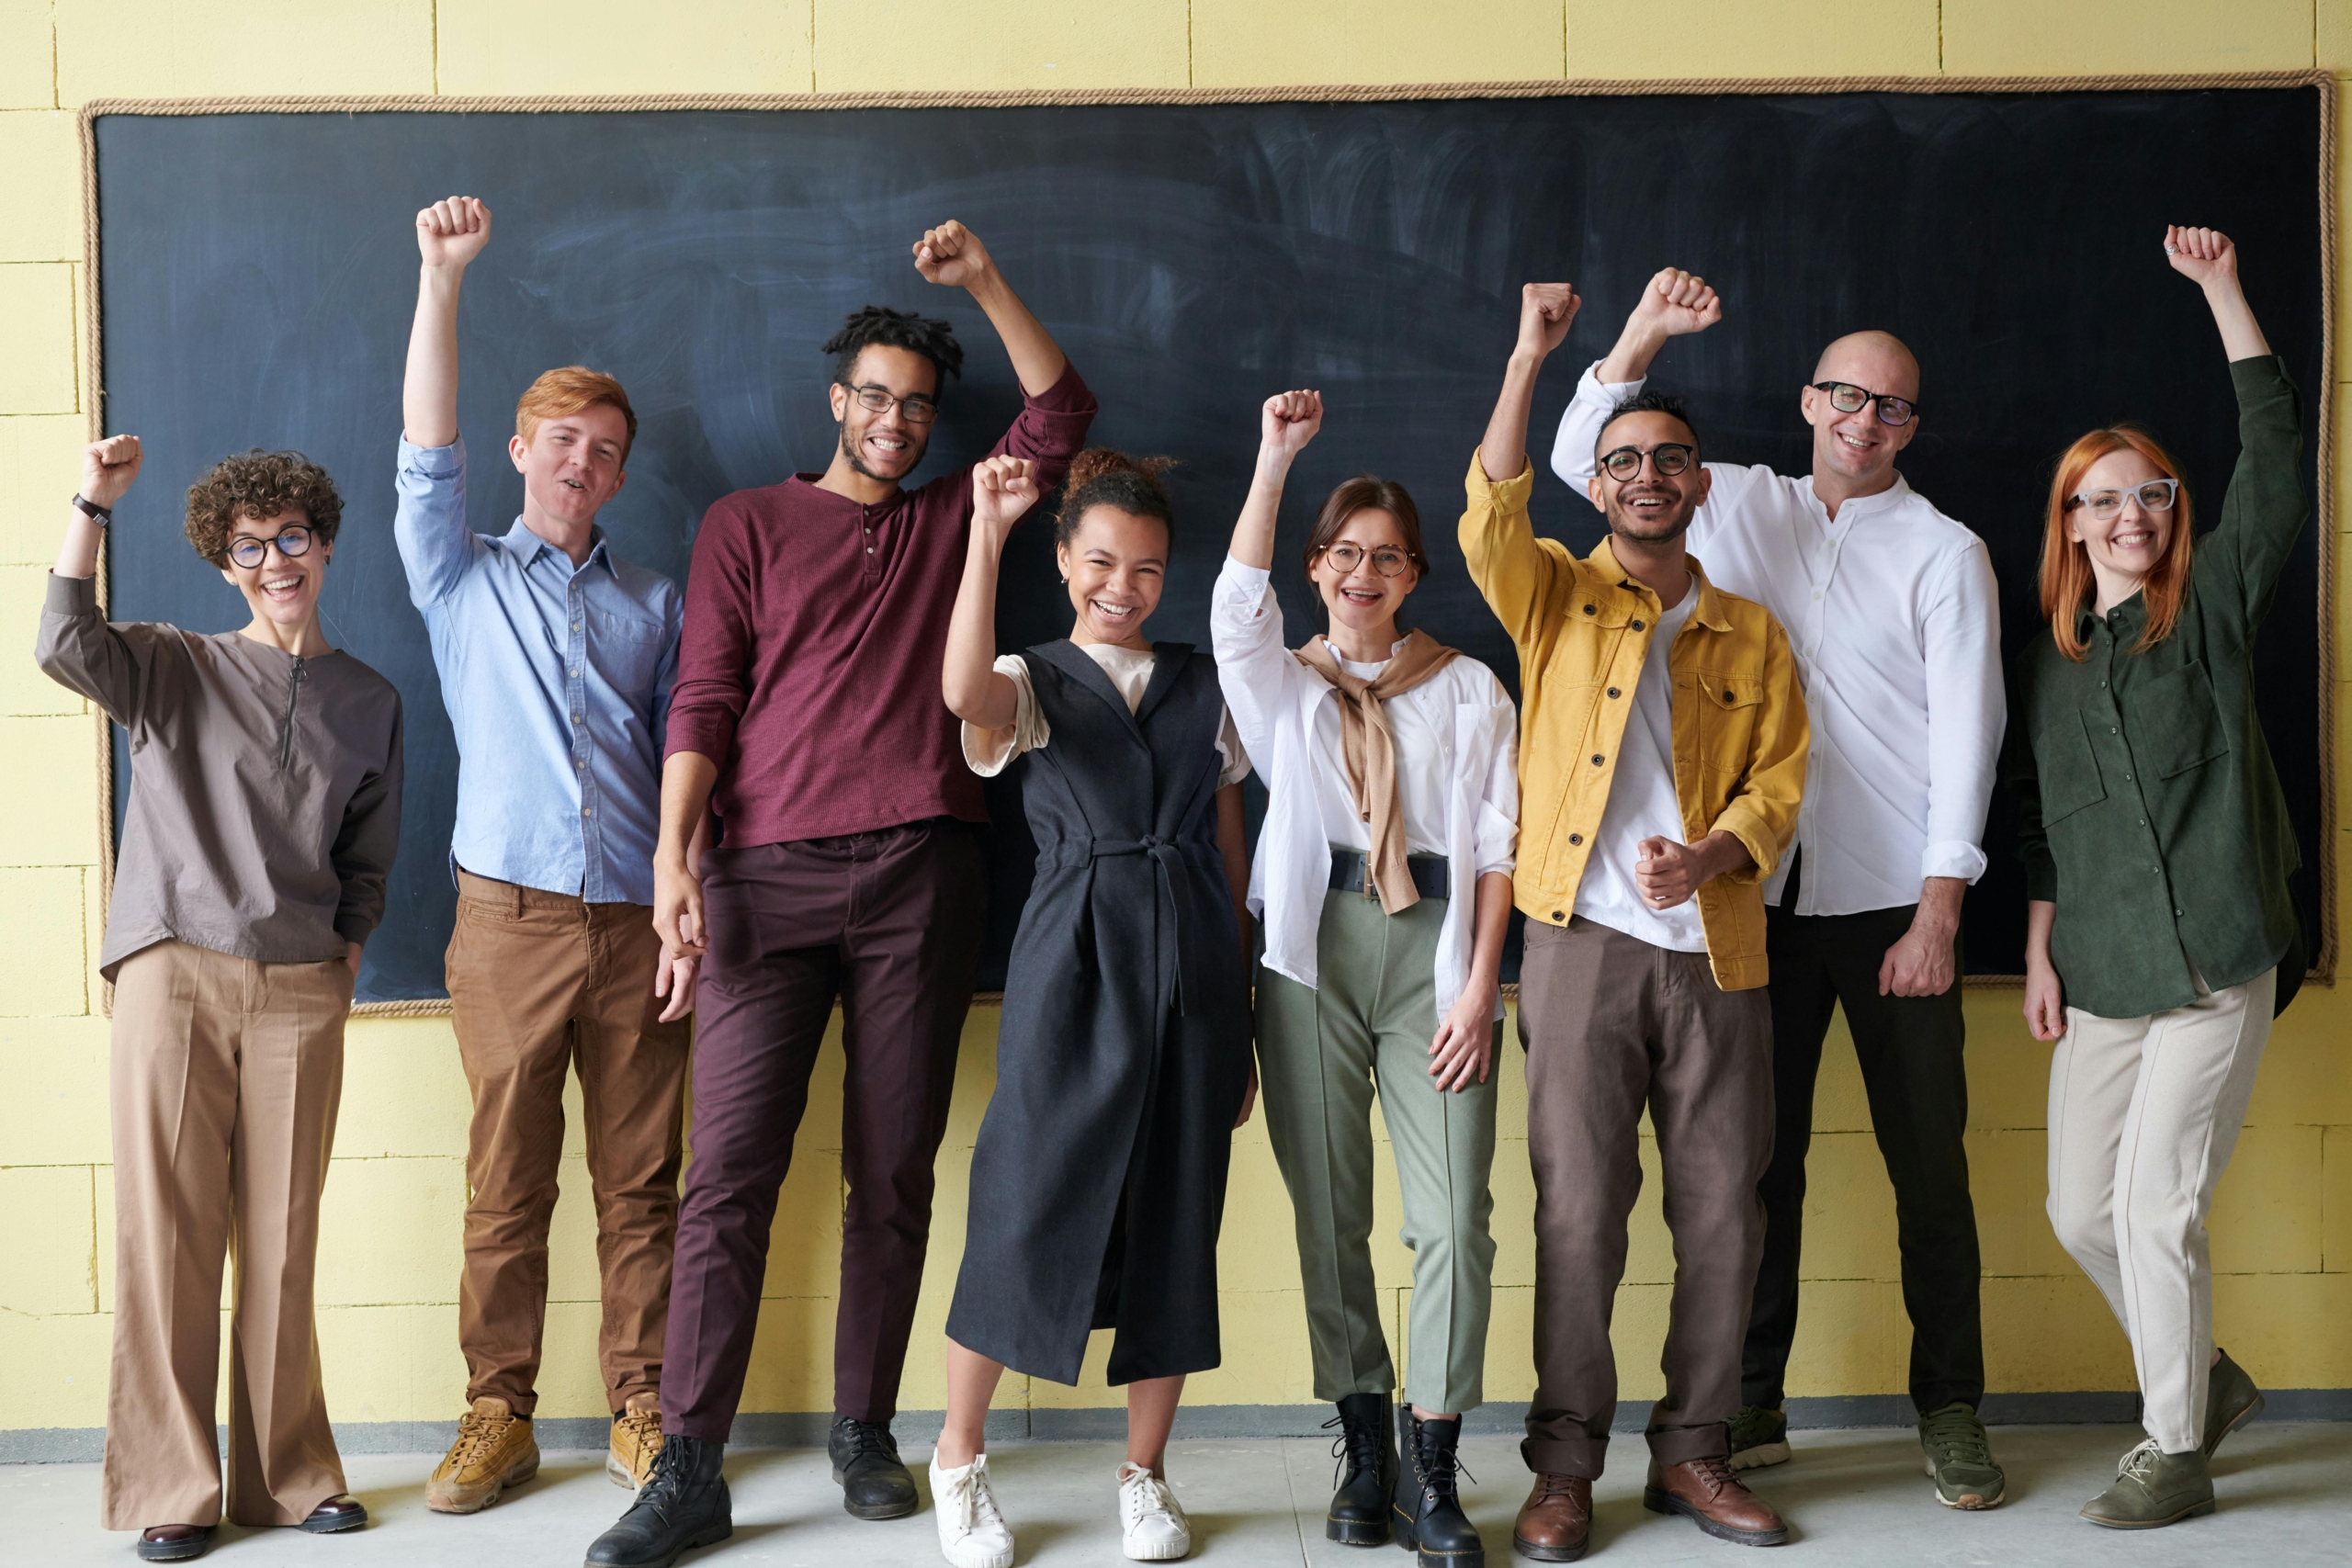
(257, 272)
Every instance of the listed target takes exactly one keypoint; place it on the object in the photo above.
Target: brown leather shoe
(1706, 1492)
(337, 1514)
(173, 1543)
(1556, 1522)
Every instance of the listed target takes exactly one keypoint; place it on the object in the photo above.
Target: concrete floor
(1854, 1497)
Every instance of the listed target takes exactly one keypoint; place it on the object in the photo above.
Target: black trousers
(1910, 1049)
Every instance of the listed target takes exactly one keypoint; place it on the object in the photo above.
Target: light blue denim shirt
(557, 685)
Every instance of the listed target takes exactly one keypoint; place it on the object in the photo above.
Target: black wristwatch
(101, 515)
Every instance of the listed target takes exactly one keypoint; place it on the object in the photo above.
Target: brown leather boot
(1556, 1522)
(1706, 1492)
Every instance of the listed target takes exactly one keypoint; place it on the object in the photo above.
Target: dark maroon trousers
(889, 923)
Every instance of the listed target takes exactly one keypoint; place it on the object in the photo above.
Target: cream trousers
(2143, 1113)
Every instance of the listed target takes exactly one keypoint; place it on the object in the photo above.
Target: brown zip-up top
(265, 789)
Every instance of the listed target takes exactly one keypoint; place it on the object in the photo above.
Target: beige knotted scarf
(1369, 747)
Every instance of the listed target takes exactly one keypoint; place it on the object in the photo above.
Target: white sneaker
(1157, 1530)
(972, 1534)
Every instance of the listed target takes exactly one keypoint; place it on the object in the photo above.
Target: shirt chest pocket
(2175, 724)
(1729, 706)
(626, 651)
(2067, 768)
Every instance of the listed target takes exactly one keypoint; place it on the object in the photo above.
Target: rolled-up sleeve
(1050, 428)
(1514, 569)
(429, 520)
(1966, 711)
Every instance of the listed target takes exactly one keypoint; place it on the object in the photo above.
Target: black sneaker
(1426, 1506)
(1758, 1437)
(873, 1481)
(1368, 1471)
(684, 1503)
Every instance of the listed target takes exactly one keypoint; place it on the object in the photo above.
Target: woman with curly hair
(1123, 1062)
(265, 811)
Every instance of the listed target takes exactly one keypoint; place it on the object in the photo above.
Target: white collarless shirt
(1892, 612)
(1643, 804)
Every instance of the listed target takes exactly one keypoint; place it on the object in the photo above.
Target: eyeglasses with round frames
(1847, 398)
(1667, 457)
(1387, 560)
(2156, 495)
(916, 409)
(292, 540)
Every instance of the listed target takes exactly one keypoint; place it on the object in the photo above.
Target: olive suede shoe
(1368, 1471)
(2153, 1488)
(2231, 1401)
(1759, 1437)
(875, 1482)
(1960, 1459)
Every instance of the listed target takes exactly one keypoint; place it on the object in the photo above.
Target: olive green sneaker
(2153, 1488)
(1758, 1437)
(1960, 1459)
(2231, 1401)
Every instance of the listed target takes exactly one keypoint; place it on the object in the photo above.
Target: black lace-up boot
(1428, 1515)
(873, 1481)
(1368, 1471)
(684, 1503)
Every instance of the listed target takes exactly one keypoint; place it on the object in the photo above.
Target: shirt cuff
(1591, 388)
(1953, 857)
(72, 595)
(433, 462)
(1503, 496)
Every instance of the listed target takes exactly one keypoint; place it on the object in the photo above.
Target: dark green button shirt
(2148, 808)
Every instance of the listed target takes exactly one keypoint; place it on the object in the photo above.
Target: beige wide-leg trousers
(2143, 1113)
(226, 1076)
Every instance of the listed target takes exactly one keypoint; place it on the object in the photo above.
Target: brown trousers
(1612, 1024)
(226, 1075)
(539, 982)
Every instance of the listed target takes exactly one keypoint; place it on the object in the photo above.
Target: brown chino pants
(1610, 1024)
(540, 982)
(226, 1076)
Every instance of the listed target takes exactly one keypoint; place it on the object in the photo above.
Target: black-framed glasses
(1387, 560)
(2155, 495)
(916, 409)
(1847, 398)
(1667, 458)
(292, 540)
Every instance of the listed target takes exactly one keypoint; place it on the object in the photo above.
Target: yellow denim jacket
(1582, 628)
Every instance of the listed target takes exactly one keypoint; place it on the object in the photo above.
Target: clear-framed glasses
(1667, 458)
(292, 540)
(2156, 495)
(1387, 560)
(1847, 398)
(916, 409)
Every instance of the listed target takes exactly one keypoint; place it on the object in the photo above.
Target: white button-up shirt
(1457, 750)
(1893, 613)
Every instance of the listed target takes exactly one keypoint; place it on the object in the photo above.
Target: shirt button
(1612, 691)
(575, 671)
(1637, 625)
(575, 625)
(2144, 821)
(2127, 778)
(2178, 916)
(1588, 610)
(1816, 596)
(1557, 916)
(587, 811)
(1575, 837)
(2111, 729)
(1596, 759)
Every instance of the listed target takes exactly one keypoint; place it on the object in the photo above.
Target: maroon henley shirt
(815, 631)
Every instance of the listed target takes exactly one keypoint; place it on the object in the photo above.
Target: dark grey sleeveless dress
(1098, 1184)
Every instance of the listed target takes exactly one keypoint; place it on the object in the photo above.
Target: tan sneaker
(636, 1441)
(495, 1449)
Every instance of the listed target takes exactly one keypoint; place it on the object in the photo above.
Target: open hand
(1676, 303)
(1287, 422)
(1003, 489)
(2204, 255)
(452, 232)
(1462, 1049)
(952, 255)
(1545, 310)
(107, 468)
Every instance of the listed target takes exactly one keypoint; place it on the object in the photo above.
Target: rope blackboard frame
(2322, 967)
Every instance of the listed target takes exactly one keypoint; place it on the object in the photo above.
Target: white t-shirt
(1415, 719)
(989, 751)
(1642, 805)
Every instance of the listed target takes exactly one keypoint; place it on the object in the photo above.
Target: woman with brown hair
(1383, 878)
(2161, 936)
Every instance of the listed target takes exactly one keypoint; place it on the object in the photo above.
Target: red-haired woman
(2160, 934)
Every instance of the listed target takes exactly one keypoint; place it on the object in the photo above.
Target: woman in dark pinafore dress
(1123, 1060)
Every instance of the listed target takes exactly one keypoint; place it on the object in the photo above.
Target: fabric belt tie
(1168, 857)
(1433, 874)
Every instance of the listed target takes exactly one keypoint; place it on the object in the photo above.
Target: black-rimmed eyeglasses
(292, 540)
(1667, 458)
(916, 410)
(1847, 398)
(2156, 495)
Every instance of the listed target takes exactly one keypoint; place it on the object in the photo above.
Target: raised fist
(1676, 303)
(107, 468)
(1288, 422)
(952, 255)
(1545, 310)
(1003, 489)
(452, 232)
(2203, 254)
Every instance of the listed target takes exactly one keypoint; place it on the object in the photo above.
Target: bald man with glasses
(1890, 608)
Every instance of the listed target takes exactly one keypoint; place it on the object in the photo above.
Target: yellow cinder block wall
(387, 1275)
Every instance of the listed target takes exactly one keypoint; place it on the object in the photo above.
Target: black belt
(1433, 874)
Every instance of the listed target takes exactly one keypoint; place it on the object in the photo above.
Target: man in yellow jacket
(1662, 752)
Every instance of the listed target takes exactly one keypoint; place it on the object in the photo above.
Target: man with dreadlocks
(807, 715)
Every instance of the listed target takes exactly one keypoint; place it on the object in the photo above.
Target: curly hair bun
(1102, 477)
(1097, 462)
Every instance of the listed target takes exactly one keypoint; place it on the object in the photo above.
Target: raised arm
(1673, 303)
(1512, 568)
(1003, 489)
(450, 234)
(1286, 424)
(1545, 312)
(1245, 622)
(2206, 257)
(76, 649)
(952, 255)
